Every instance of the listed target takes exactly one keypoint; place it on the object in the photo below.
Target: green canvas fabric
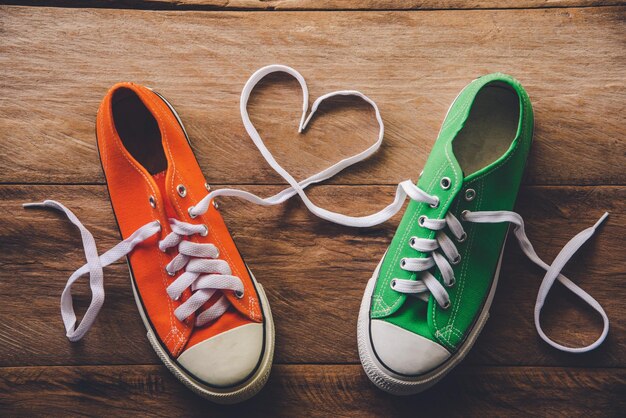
(496, 188)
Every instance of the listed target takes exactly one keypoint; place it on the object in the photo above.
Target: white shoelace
(206, 274)
(94, 267)
(428, 284)
(405, 188)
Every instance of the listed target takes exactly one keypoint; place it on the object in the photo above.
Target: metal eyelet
(190, 213)
(447, 305)
(421, 220)
(393, 283)
(403, 262)
(470, 194)
(182, 191)
(463, 237)
(420, 176)
(464, 214)
(445, 183)
(412, 241)
(215, 204)
(152, 202)
(435, 205)
(169, 272)
(238, 294)
(206, 231)
(456, 260)
(207, 187)
(451, 283)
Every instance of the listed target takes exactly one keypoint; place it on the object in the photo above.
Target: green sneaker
(430, 295)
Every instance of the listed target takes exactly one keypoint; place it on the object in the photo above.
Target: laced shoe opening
(138, 130)
(489, 129)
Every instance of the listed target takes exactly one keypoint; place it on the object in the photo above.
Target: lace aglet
(303, 124)
(305, 120)
(34, 205)
(602, 218)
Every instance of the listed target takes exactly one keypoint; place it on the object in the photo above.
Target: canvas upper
(163, 186)
(491, 188)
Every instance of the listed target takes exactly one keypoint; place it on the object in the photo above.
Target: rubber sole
(393, 383)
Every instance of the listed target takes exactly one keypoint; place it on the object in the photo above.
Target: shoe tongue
(159, 179)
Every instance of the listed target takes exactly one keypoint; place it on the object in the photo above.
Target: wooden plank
(56, 67)
(317, 4)
(314, 391)
(314, 273)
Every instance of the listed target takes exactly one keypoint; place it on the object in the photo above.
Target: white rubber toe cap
(226, 359)
(404, 352)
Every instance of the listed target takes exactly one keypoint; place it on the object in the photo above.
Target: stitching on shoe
(219, 243)
(173, 324)
(105, 154)
(456, 177)
(464, 270)
(434, 310)
(478, 206)
(381, 302)
(462, 279)
(149, 188)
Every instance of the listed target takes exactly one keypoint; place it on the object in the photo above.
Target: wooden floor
(412, 57)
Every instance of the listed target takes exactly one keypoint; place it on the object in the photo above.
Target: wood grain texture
(57, 64)
(311, 267)
(317, 4)
(315, 391)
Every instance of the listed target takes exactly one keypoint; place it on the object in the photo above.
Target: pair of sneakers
(209, 319)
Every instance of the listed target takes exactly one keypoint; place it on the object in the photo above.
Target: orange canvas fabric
(130, 188)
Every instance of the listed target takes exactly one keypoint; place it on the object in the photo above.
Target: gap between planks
(285, 185)
(578, 108)
(312, 6)
(462, 366)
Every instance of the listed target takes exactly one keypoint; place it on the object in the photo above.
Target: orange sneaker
(207, 317)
